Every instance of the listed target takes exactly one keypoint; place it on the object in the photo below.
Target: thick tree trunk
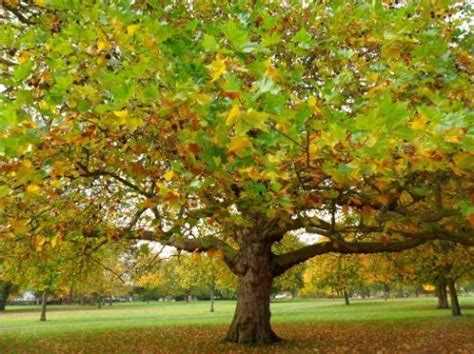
(251, 323)
(346, 297)
(442, 294)
(453, 295)
(99, 301)
(44, 301)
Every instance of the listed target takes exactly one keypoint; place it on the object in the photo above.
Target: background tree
(442, 264)
(333, 274)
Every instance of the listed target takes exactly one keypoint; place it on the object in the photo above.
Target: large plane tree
(225, 125)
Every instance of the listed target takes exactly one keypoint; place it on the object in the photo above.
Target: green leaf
(209, 43)
(237, 36)
(303, 39)
(22, 71)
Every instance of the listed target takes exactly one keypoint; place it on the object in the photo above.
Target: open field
(307, 326)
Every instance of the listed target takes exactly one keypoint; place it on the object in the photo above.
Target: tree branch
(98, 173)
(7, 62)
(285, 261)
(17, 14)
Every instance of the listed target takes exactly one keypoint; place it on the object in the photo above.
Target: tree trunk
(442, 294)
(4, 295)
(386, 292)
(44, 301)
(346, 297)
(212, 299)
(111, 300)
(453, 295)
(251, 322)
(99, 301)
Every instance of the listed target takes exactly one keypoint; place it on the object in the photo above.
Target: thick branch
(286, 261)
(202, 244)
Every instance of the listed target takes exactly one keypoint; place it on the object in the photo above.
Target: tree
(203, 274)
(442, 264)
(147, 120)
(333, 273)
(380, 270)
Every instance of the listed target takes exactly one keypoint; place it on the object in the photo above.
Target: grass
(189, 327)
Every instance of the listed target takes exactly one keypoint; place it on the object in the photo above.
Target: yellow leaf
(19, 226)
(23, 57)
(419, 123)
(132, 29)
(33, 189)
(238, 144)
(203, 98)
(101, 45)
(40, 241)
(217, 67)
(169, 175)
(251, 172)
(233, 113)
(40, 3)
(101, 60)
(121, 114)
(455, 136)
(54, 241)
(312, 102)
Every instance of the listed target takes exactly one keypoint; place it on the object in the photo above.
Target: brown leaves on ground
(451, 335)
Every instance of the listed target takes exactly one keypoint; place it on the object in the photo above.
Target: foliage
(331, 273)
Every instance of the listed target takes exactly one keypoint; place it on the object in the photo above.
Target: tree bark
(4, 295)
(442, 294)
(44, 302)
(386, 292)
(99, 301)
(251, 322)
(212, 299)
(453, 295)
(346, 297)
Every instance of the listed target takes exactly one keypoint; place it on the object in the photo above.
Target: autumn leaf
(169, 175)
(217, 67)
(238, 144)
(132, 29)
(121, 114)
(233, 114)
(33, 189)
(19, 226)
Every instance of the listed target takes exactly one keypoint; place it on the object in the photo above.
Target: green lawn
(115, 328)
